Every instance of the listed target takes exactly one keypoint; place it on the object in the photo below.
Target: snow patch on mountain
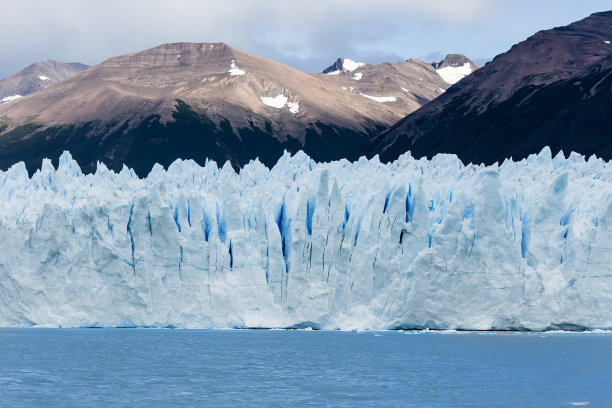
(294, 107)
(342, 65)
(349, 65)
(357, 76)
(276, 102)
(234, 70)
(452, 75)
(43, 78)
(11, 98)
(380, 98)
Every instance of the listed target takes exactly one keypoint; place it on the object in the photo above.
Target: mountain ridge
(518, 103)
(206, 101)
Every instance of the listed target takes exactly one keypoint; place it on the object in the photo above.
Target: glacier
(415, 243)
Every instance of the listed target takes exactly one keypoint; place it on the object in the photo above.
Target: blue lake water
(158, 368)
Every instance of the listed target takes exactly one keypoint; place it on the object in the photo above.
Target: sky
(307, 35)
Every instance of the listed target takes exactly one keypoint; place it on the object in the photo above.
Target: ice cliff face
(412, 244)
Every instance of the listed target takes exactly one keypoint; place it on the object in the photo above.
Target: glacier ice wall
(364, 245)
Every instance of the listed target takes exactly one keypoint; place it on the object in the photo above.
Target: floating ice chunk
(607, 41)
(357, 76)
(381, 98)
(294, 107)
(11, 98)
(43, 78)
(234, 70)
(452, 75)
(276, 102)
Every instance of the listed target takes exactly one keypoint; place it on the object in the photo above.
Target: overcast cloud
(308, 35)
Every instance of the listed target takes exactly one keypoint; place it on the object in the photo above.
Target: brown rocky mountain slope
(553, 89)
(411, 83)
(202, 100)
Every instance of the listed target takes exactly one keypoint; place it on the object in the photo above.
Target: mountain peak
(185, 47)
(342, 65)
(179, 54)
(454, 67)
(36, 77)
(454, 60)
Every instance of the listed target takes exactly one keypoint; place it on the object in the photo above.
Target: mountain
(363, 245)
(408, 84)
(342, 65)
(37, 76)
(454, 67)
(204, 101)
(553, 89)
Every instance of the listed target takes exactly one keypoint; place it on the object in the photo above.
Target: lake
(158, 368)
